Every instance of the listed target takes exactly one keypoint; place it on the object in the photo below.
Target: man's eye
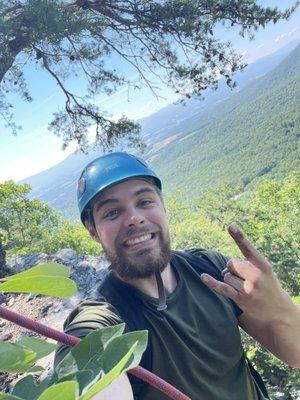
(111, 214)
(146, 202)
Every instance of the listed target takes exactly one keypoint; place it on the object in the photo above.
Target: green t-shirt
(195, 342)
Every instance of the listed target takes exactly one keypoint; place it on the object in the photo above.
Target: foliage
(278, 376)
(69, 235)
(194, 228)
(23, 221)
(29, 225)
(19, 357)
(88, 368)
(48, 279)
(252, 134)
(270, 218)
(174, 41)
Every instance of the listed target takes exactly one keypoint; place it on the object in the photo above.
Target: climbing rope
(70, 340)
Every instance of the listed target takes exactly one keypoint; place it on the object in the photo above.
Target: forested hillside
(236, 139)
(254, 133)
(247, 139)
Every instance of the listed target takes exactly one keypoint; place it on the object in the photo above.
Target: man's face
(130, 223)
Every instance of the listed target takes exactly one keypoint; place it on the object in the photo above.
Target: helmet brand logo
(81, 185)
(111, 166)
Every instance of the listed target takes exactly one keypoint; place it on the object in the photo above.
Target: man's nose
(134, 217)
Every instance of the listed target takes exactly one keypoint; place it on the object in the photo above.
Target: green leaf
(46, 285)
(48, 279)
(15, 358)
(27, 388)
(122, 353)
(61, 391)
(6, 396)
(110, 376)
(39, 346)
(121, 345)
(84, 378)
(87, 353)
(50, 269)
(20, 356)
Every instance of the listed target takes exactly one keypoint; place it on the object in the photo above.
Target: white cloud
(260, 46)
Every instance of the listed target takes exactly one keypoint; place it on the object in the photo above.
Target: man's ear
(92, 230)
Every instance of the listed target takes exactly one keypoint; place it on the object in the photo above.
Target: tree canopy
(172, 41)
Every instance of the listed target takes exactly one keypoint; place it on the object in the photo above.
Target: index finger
(246, 247)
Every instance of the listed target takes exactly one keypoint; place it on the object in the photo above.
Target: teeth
(138, 240)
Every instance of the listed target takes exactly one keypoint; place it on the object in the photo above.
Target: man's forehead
(128, 187)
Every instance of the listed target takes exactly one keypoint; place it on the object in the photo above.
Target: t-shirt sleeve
(220, 262)
(89, 315)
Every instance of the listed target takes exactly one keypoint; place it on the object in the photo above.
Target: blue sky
(34, 149)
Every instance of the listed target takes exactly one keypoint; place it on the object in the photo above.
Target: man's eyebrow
(144, 190)
(102, 203)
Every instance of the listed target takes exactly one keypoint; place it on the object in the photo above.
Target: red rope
(70, 340)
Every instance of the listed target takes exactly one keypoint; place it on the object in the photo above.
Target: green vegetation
(31, 226)
(159, 38)
(252, 134)
(269, 214)
(23, 222)
(87, 369)
(270, 217)
(70, 235)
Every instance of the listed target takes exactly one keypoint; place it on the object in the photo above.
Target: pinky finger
(220, 287)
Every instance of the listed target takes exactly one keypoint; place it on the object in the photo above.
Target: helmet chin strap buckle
(162, 298)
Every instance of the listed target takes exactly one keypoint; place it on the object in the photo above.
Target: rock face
(86, 271)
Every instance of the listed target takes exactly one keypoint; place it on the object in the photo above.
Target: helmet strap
(162, 299)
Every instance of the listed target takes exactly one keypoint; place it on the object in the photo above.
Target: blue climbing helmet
(106, 171)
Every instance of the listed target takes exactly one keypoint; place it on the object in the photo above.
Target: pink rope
(70, 340)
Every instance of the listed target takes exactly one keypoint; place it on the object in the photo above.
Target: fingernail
(204, 278)
(233, 229)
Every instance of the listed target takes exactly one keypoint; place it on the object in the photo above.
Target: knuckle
(227, 277)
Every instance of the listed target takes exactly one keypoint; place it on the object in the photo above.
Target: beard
(143, 263)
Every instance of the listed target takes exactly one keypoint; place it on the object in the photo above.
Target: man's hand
(269, 314)
(119, 389)
(251, 283)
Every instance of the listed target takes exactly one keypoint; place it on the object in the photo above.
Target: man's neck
(149, 285)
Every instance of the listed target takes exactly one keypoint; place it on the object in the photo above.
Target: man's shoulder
(92, 311)
(217, 259)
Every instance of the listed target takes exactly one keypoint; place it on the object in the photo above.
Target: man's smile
(139, 242)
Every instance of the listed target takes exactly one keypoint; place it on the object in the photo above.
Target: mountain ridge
(57, 185)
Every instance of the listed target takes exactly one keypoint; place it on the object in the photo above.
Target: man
(192, 317)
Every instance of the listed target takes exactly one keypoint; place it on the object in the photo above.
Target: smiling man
(192, 303)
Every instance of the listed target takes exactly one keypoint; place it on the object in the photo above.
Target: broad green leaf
(14, 358)
(27, 388)
(6, 396)
(87, 353)
(110, 376)
(46, 285)
(84, 378)
(61, 391)
(50, 269)
(39, 346)
(120, 346)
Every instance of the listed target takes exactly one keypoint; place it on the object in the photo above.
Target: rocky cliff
(86, 271)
